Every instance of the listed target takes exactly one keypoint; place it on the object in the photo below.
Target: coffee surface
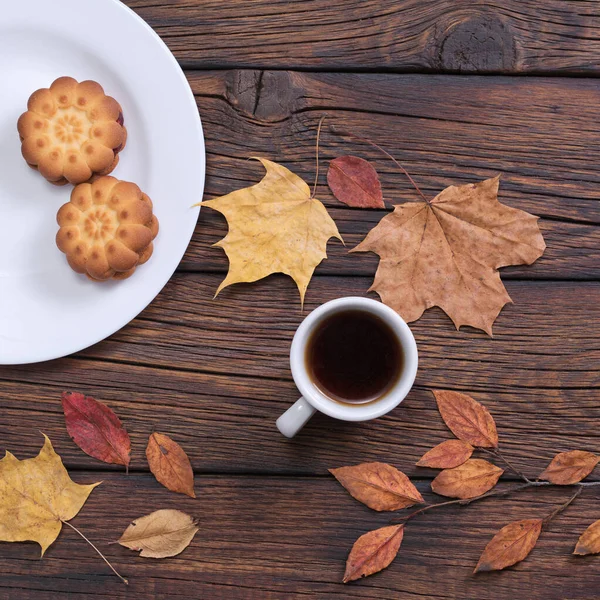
(354, 356)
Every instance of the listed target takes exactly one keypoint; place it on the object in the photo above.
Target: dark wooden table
(458, 91)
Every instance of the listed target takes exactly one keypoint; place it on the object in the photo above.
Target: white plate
(47, 310)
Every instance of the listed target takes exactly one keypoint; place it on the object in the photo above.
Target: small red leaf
(378, 485)
(510, 545)
(355, 182)
(571, 467)
(447, 455)
(373, 552)
(589, 541)
(473, 478)
(96, 429)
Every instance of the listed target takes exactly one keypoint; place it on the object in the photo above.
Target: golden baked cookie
(72, 131)
(106, 228)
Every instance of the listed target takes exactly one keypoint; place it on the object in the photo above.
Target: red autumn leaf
(467, 419)
(589, 541)
(96, 429)
(373, 552)
(471, 479)
(510, 545)
(170, 464)
(355, 182)
(378, 485)
(571, 467)
(447, 455)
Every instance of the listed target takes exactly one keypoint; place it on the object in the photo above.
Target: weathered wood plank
(515, 36)
(215, 375)
(281, 538)
(541, 134)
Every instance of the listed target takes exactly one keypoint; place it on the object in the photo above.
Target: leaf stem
(562, 507)
(317, 156)
(464, 502)
(337, 131)
(98, 551)
(498, 454)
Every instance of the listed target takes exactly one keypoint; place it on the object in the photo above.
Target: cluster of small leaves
(465, 479)
(35, 488)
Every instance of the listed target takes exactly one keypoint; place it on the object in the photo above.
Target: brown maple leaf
(446, 252)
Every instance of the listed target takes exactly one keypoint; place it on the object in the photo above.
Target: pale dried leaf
(473, 478)
(510, 545)
(373, 552)
(378, 485)
(160, 534)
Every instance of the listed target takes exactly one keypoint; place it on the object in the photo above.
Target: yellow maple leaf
(274, 227)
(37, 496)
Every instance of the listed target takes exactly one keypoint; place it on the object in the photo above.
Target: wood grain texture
(515, 36)
(215, 376)
(541, 134)
(281, 538)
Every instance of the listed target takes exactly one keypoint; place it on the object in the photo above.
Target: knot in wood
(479, 44)
(267, 96)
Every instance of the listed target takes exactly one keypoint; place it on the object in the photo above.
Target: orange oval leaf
(96, 429)
(467, 419)
(510, 545)
(378, 485)
(373, 552)
(571, 467)
(354, 181)
(170, 464)
(447, 455)
(473, 478)
(589, 541)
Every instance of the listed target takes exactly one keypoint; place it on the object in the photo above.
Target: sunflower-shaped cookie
(107, 228)
(72, 131)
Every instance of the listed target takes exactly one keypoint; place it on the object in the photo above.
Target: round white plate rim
(145, 39)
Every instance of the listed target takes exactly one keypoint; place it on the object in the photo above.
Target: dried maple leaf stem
(337, 131)
(562, 507)
(98, 551)
(317, 155)
(498, 454)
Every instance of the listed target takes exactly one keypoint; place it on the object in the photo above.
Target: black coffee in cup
(353, 356)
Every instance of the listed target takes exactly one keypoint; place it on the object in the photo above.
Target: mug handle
(295, 417)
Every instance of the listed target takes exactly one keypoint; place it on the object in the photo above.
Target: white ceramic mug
(293, 419)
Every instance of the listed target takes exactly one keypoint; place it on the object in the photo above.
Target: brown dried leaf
(589, 541)
(571, 467)
(355, 182)
(373, 552)
(446, 253)
(471, 479)
(447, 455)
(378, 485)
(467, 419)
(160, 534)
(170, 464)
(510, 545)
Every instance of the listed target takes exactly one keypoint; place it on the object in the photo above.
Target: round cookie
(106, 228)
(72, 131)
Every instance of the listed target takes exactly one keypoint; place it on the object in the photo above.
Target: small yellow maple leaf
(274, 227)
(37, 496)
